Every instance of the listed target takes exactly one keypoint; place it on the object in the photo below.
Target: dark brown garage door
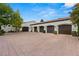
(41, 28)
(50, 29)
(65, 29)
(35, 29)
(25, 29)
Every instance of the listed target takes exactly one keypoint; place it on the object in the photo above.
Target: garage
(35, 29)
(41, 28)
(65, 29)
(50, 29)
(25, 29)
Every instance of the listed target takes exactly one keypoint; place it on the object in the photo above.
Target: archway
(41, 28)
(35, 29)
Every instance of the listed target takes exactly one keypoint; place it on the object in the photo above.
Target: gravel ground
(38, 44)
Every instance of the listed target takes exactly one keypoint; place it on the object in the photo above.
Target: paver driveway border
(38, 44)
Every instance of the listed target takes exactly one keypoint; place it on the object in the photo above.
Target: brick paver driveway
(33, 44)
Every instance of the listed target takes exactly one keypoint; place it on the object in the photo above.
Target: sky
(45, 11)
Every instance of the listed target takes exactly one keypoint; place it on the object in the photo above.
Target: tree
(5, 9)
(8, 16)
(42, 20)
(75, 16)
(16, 20)
(5, 12)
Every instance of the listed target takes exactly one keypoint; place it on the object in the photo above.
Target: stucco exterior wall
(56, 24)
(31, 27)
(27, 24)
(74, 27)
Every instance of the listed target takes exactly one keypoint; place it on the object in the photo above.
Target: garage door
(41, 28)
(35, 29)
(25, 29)
(50, 29)
(65, 29)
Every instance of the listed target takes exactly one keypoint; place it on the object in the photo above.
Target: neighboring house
(7, 28)
(25, 27)
(61, 26)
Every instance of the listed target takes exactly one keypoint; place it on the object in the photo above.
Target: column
(74, 27)
(45, 28)
(32, 29)
(38, 28)
(56, 28)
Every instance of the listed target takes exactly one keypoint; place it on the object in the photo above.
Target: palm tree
(42, 20)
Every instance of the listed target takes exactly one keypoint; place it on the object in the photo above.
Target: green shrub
(2, 32)
(55, 32)
(77, 33)
(74, 33)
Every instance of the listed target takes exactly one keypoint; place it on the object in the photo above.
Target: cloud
(67, 11)
(69, 4)
(67, 7)
(48, 12)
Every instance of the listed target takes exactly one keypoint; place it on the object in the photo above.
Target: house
(60, 26)
(26, 26)
(7, 28)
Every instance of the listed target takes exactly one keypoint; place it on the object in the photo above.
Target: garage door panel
(25, 29)
(65, 29)
(50, 29)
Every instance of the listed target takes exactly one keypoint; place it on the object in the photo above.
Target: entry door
(25, 29)
(50, 29)
(65, 29)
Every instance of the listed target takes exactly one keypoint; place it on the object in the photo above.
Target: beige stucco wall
(27, 24)
(56, 24)
(31, 27)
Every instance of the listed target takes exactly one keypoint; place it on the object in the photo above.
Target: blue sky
(46, 11)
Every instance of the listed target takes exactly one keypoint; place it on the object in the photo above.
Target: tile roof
(55, 20)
